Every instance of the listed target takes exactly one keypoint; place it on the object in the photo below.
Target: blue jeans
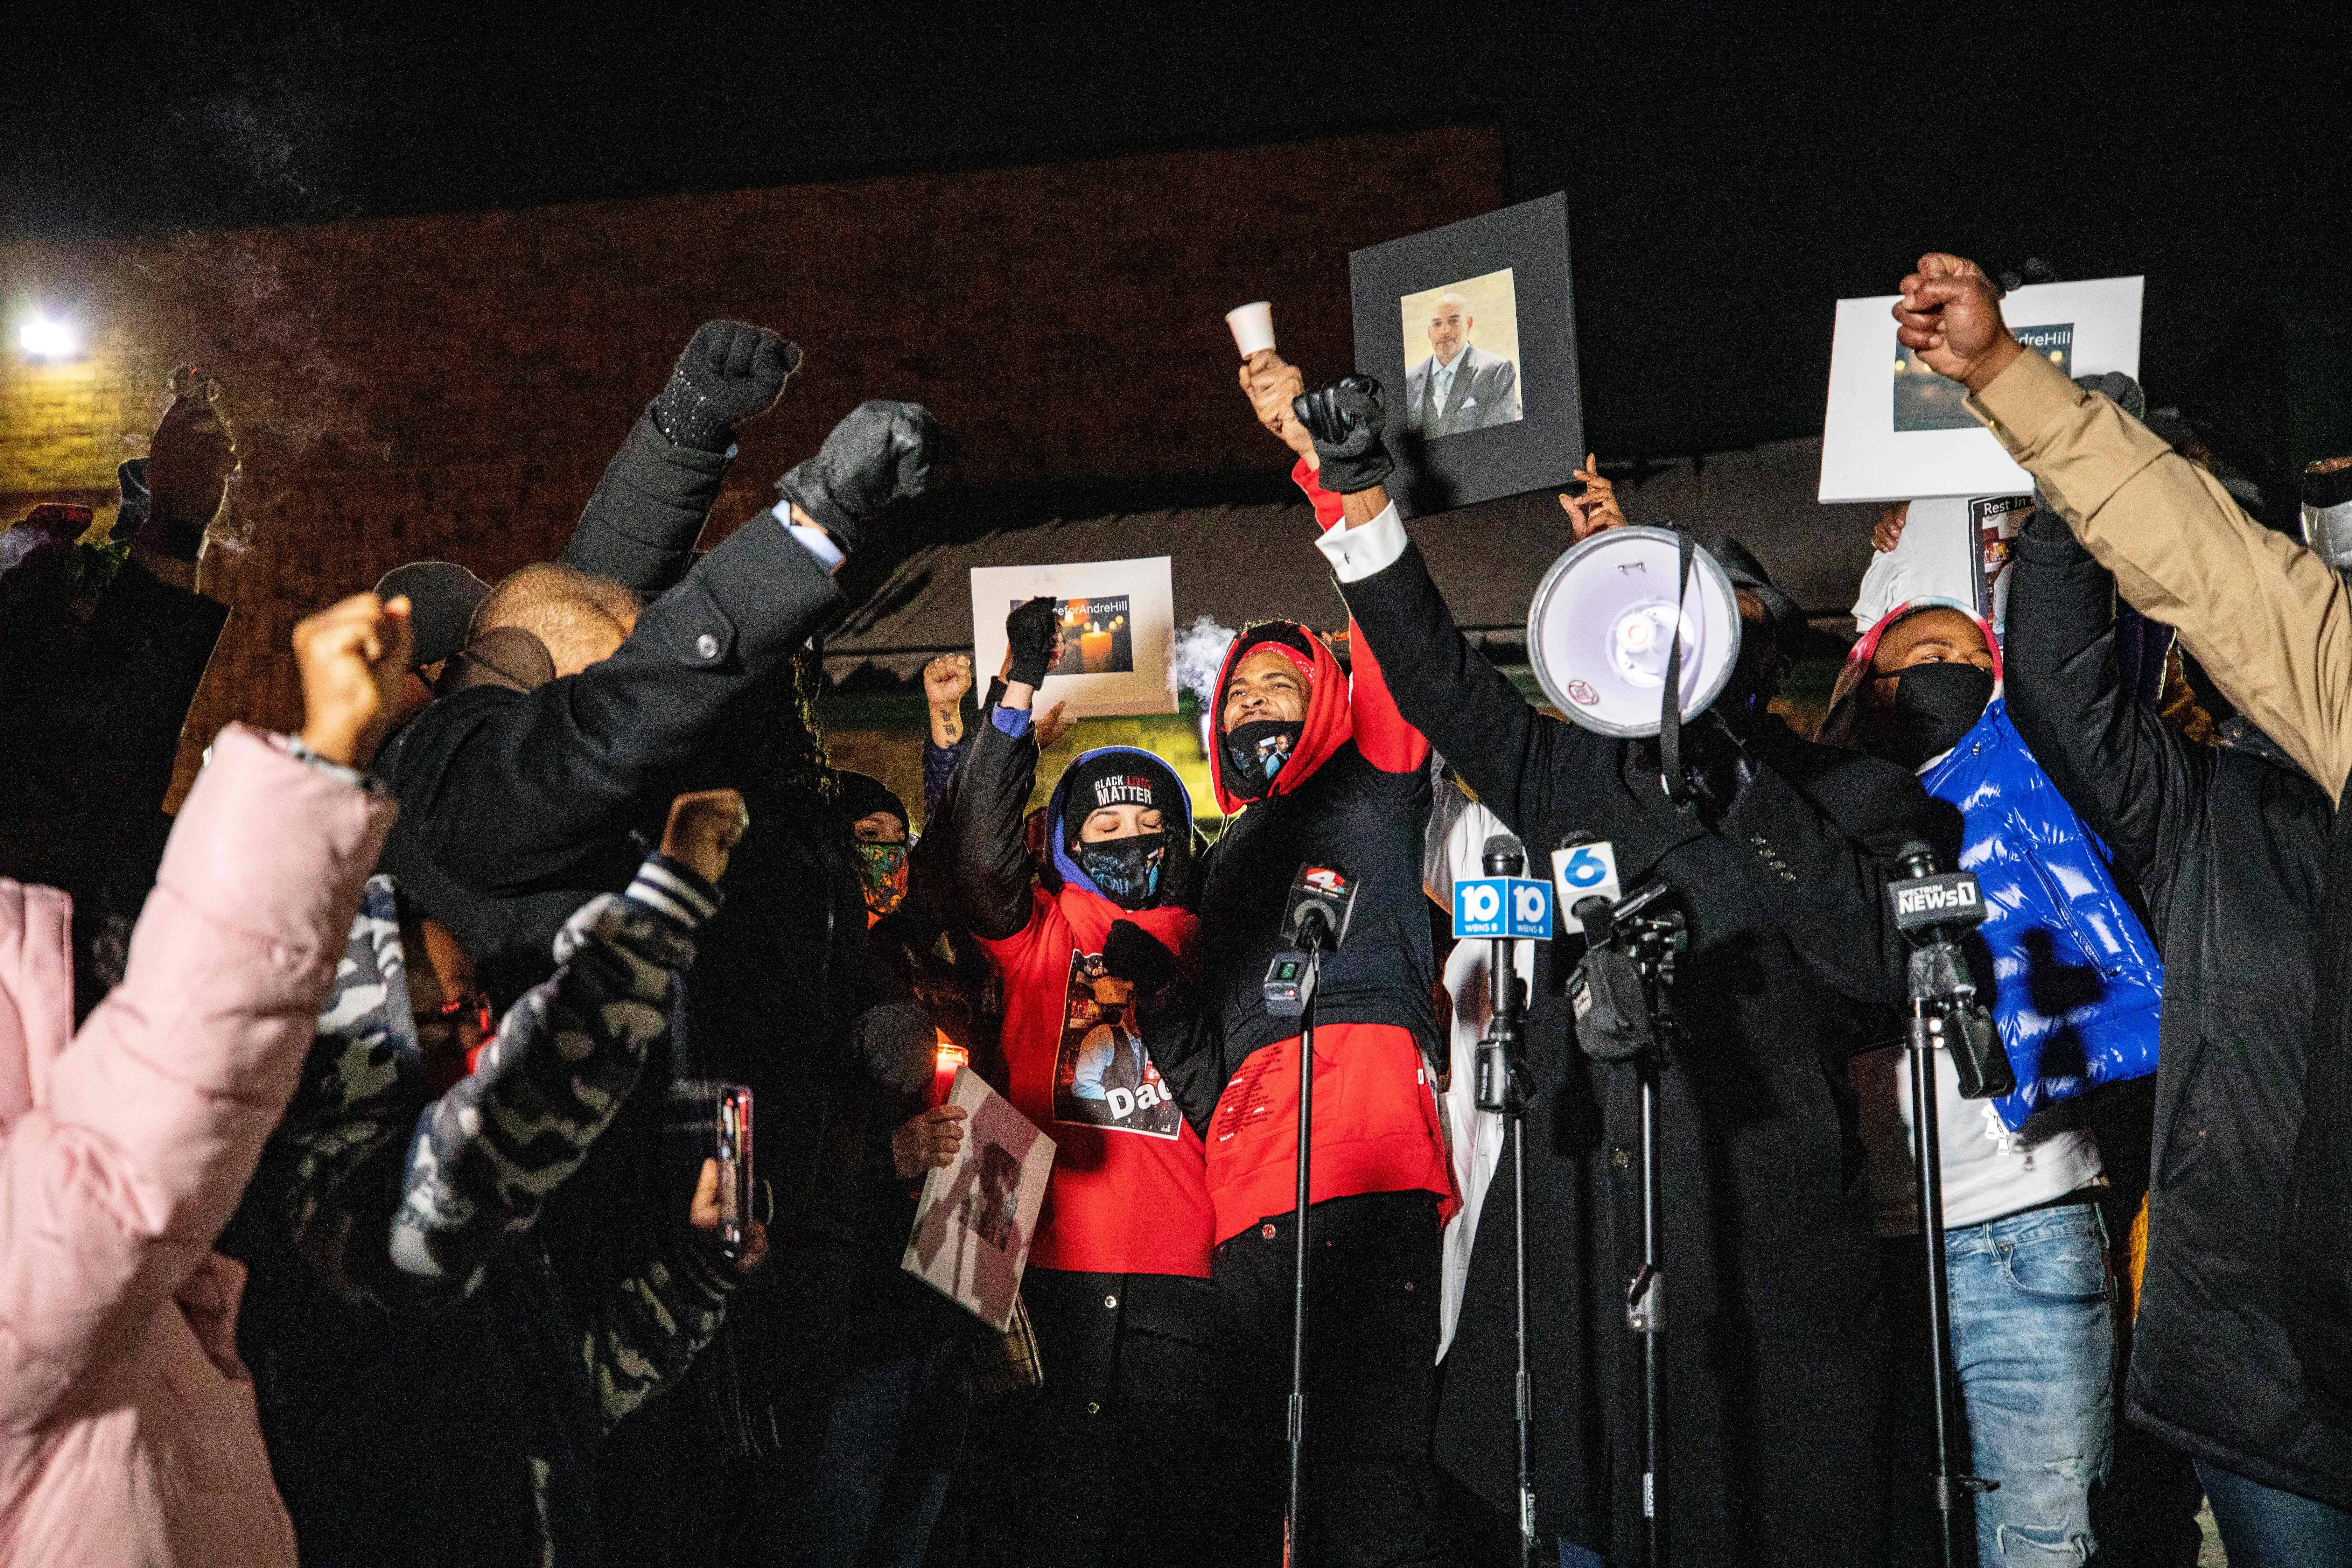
(2033, 1349)
(890, 1448)
(2263, 1526)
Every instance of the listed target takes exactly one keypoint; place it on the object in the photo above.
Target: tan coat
(2270, 621)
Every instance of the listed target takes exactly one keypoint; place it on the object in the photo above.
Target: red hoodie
(1127, 1198)
(1376, 1127)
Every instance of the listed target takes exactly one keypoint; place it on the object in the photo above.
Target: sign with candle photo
(1117, 618)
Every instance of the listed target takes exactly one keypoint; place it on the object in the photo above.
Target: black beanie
(441, 599)
(1121, 778)
(863, 795)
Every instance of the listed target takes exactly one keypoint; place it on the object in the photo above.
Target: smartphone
(712, 1121)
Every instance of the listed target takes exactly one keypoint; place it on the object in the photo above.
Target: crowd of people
(361, 1203)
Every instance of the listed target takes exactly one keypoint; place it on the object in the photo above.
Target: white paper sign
(1895, 430)
(978, 1214)
(1953, 547)
(1117, 618)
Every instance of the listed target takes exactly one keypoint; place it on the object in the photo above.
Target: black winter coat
(1774, 1341)
(784, 975)
(2228, 848)
(507, 796)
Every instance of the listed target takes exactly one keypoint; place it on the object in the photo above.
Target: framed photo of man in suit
(1470, 331)
(1469, 379)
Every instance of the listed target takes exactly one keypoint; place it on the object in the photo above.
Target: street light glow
(46, 338)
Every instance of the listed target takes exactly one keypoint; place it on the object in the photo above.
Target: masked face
(1127, 871)
(1930, 680)
(1256, 753)
(2327, 511)
(1934, 705)
(882, 867)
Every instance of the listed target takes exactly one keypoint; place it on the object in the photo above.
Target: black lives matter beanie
(1119, 778)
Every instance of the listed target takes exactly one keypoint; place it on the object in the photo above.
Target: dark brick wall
(452, 385)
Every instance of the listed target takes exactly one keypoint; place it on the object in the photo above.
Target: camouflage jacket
(404, 1202)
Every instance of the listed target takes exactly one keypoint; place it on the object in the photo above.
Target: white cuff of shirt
(1356, 553)
(815, 541)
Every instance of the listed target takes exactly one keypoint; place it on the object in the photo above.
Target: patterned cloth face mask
(883, 869)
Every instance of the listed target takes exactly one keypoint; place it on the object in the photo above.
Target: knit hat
(1780, 612)
(863, 795)
(1118, 778)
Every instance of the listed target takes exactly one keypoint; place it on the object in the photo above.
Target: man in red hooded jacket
(1313, 768)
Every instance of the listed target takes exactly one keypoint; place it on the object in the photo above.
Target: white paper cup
(1252, 326)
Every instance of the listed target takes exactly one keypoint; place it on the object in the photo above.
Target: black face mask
(1124, 871)
(1256, 753)
(1934, 705)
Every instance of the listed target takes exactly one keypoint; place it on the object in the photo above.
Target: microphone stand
(1502, 1088)
(1313, 934)
(1649, 934)
(1645, 1298)
(1927, 1026)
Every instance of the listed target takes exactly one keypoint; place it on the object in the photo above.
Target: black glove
(1346, 418)
(730, 372)
(1133, 954)
(882, 452)
(2118, 389)
(1029, 634)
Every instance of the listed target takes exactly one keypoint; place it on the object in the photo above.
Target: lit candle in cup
(945, 1061)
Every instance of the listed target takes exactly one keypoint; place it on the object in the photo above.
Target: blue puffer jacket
(2077, 983)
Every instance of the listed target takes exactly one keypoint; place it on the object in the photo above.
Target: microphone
(1315, 917)
(1935, 912)
(1505, 855)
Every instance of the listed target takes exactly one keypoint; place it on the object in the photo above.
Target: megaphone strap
(1670, 706)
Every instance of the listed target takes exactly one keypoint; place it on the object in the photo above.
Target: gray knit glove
(730, 372)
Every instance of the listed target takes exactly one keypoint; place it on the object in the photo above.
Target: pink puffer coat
(127, 1426)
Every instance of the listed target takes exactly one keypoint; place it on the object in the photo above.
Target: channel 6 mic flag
(1508, 906)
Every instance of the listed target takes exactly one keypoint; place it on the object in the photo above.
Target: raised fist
(188, 467)
(1949, 315)
(1344, 419)
(1033, 636)
(880, 453)
(352, 656)
(1270, 383)
(704, 828)
(730, 372)
(946, 679)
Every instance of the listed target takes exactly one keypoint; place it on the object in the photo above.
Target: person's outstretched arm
(129, 1151)
(489, 1153)
(640, 526)
(2268, 619)
(1442, 692)
(1383, 735)
(986, 851)
(503, 788)
(2134, 781)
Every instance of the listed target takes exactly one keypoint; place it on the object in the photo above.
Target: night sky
(1730, 171)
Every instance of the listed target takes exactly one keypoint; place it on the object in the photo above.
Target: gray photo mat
(1546, 445)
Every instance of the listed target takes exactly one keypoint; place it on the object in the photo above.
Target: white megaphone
(1604, 620)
